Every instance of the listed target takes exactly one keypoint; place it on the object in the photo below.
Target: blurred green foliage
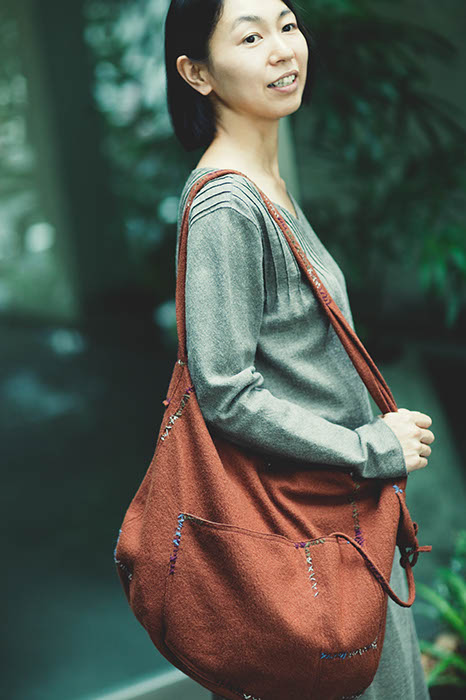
(148, 166)
(447, 601)
(396, 150)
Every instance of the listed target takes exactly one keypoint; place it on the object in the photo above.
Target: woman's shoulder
(229, 190)
(224, 217)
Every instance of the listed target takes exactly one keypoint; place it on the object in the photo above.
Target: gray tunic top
(271, 373)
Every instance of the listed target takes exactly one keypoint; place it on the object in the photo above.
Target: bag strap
(409, 531)
(363, 362)
(358, 354)
(378, 575)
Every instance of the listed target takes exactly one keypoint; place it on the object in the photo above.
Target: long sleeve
(225, 295)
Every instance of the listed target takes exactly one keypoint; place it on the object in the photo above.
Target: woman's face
(246, 55)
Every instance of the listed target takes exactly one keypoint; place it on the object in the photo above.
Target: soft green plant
(443, 267)
(395, 149)
(447, 603)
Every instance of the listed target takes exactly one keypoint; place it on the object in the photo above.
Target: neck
(247, 146)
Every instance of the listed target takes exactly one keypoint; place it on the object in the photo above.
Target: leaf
(447, 680)
(459, 256)
(439, 271)
(435, 676)
(453, 658)
(447, 612)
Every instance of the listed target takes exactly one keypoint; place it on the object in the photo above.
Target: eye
(250, 37)
(290, 24)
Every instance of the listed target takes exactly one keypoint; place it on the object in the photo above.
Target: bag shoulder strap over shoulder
(363, 362)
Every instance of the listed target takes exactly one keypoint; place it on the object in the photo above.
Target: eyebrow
(255, 18)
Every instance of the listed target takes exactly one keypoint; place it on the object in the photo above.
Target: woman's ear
(195, 74)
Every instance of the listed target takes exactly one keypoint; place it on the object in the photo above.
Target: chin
(291, 110)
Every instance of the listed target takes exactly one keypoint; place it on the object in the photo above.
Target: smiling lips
(284, 82)
(287, 79)
(284, 86)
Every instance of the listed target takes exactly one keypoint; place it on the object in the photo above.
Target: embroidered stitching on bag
(120, 563)
(167, 401)
(397, 488)
(238, 691)
(357, 529)
(178, 413)
(349, 654)
(176, 542)
(377, 575)
(353, 697)
(304, 544)
(312, 575)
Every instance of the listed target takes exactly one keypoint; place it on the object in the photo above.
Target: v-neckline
(287, 211)
(283, 209)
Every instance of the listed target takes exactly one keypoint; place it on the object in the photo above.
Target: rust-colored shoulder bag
(247, 590)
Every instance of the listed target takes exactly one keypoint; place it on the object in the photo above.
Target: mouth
(285, 80)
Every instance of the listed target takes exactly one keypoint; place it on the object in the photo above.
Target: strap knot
(414, 552)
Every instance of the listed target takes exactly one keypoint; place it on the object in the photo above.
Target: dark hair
(189, 26)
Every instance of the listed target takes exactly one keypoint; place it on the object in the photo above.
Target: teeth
(285, 81)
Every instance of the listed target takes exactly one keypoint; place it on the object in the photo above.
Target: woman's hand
(410, 427)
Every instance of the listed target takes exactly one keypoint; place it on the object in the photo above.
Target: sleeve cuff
(383, 451)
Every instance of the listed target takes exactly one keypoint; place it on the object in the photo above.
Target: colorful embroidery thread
(312, 575)
(240, 693)
(120, 563)
(397, 488)
(357, 529)
(178, 413)
(167, 401)
(349, 654)
(176, 542)
(304, 544)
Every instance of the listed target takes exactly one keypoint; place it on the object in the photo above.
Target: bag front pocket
(254, 612)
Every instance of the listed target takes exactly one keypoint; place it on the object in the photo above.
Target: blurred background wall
(90, 178)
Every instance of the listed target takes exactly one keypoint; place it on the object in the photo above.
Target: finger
(422, 419)
(425, 451)
(427, 437)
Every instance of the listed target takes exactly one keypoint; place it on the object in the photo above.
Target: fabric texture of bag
(248, 590)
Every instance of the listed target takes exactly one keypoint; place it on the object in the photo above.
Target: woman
(269, 370)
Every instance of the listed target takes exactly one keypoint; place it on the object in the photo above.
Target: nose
(281, 50)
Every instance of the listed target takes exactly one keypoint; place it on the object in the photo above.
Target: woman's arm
(224, 306)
